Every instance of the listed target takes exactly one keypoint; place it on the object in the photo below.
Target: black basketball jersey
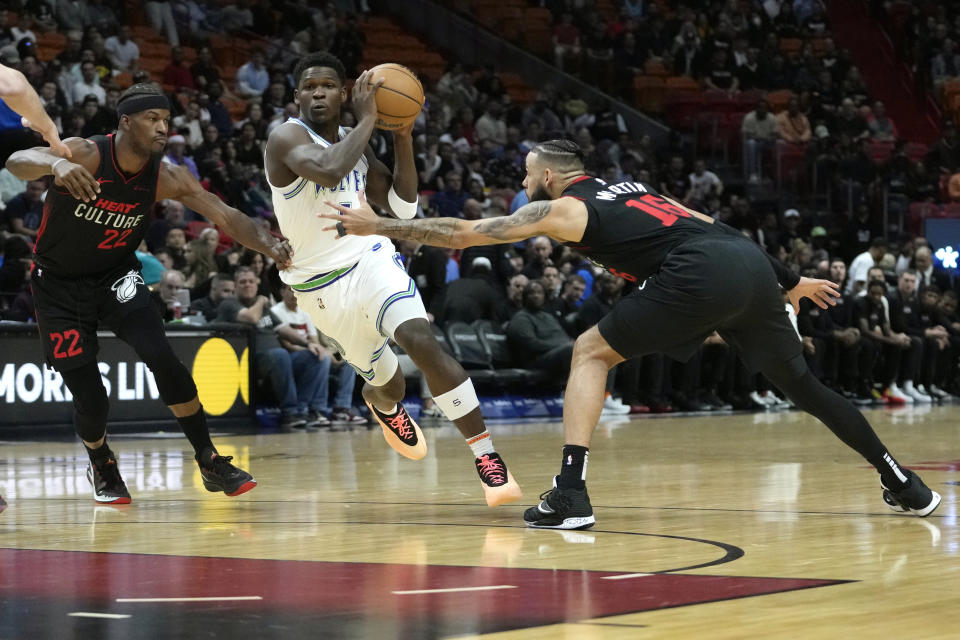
(79, 238)
(630, 227)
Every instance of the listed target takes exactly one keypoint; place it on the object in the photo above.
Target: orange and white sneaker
(499, 487)
(401, 432)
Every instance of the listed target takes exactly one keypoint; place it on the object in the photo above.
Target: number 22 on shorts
(68, 339)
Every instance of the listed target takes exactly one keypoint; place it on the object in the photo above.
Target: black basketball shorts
(717, 283)
(70, 310)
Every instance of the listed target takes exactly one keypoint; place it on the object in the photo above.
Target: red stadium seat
(681, 108)
(918, 212)
(778, 99)
(655, 67)
(648, 91)
(790, 47)
(719, 102)
(916, 151)
(880, 151)
(951, 210)
(195, 227)
(682, 83)
(538, 40)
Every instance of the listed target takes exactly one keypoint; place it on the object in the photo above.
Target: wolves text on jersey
(352, 182)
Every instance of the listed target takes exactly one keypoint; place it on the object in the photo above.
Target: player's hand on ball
(75, 179)
(363, 102)
(357, 221)
(282, 254)
(406, 131)
(822, 292)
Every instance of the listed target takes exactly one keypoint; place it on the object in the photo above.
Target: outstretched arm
(558, 219)
(20, 96)
(75, 175)
(177, 183)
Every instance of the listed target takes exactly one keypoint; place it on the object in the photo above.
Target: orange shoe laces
(491, 470)
(400, 425)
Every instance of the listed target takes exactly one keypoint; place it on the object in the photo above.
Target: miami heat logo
(126, 287)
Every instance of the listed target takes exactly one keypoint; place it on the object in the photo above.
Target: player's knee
(90, 401)
(591, 346)
(415, 337)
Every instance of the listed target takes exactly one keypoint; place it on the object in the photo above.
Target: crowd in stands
(894, 338)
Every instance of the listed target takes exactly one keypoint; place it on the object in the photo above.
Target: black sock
(195, 428)
(845, 420)
(100, 454)
(573, 468)
(889, 470)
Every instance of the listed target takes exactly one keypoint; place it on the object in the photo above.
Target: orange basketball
(399, 98)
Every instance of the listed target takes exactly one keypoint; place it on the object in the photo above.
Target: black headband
(136, 104)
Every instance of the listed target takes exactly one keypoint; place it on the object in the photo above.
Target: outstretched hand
(823, 293)
(51, 135)
(282, 254)
(357, 221)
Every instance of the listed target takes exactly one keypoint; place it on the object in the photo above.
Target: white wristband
(404, 210)
(54, 165)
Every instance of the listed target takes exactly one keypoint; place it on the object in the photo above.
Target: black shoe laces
(555, 499)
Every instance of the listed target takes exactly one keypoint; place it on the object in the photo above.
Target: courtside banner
(217, 356)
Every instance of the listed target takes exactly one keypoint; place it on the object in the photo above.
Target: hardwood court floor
(736, 526)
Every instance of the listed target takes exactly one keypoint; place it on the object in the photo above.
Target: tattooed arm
(564, 220)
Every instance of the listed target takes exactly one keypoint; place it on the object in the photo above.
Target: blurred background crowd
(771, 126)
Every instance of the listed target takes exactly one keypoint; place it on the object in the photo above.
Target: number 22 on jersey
(115, 237)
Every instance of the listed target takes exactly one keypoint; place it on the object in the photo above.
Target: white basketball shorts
(360, 306)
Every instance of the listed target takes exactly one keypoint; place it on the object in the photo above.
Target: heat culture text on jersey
(109, 213)
(78, 238)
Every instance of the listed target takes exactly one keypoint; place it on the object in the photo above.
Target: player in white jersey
(355, 289)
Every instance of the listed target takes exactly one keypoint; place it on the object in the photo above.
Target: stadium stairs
(890, 79)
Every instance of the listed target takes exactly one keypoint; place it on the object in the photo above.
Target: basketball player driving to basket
(86, 274)
(356, 290)
(690, 275)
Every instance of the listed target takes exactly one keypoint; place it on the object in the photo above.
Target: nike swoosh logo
(102, 181)
(543, 508)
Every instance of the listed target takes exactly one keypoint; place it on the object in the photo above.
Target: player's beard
(540, 193)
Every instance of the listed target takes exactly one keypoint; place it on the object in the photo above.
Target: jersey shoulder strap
(316, 137)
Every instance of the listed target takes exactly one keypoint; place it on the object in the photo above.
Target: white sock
(481, 444)
(392, 410)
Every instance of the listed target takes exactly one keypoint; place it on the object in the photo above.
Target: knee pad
(90, 402)
(174, 382)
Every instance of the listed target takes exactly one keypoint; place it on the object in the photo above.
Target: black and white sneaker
(3, 504)
(916, 497)
(316, 420)
(219, 475)
(108, 485)
(561, 509)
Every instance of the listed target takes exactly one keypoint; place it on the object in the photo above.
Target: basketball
(399, 99)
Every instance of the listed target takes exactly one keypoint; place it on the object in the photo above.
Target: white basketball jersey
(296, 207)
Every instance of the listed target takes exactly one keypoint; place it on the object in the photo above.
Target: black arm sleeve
(787, 279)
